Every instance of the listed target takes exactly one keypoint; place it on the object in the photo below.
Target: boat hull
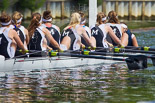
(48, 63)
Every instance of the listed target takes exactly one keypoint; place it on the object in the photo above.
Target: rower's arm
(134, 41)
(17, 39)
(85, 36)
(27, 36)
(113, 36)
(124, 39)
(50, 38)
(58, 29)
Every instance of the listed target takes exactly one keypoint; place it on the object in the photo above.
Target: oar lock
(52, 53)
(26, 51)
(146, 48)
(86, 52)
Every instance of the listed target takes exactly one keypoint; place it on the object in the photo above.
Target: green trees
(32, 5)
(99, 2)
(4, 4)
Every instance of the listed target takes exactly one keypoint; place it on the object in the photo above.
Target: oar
(153, 60)
(85, 52)
(145, 48)
(121, 50)
(31, 52)
(133, 63)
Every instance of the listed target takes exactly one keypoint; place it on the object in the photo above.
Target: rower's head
(47, 16)
(113, 17)
(35, 22)
(124, 26)
(5, 19)
(75, 19)
(83, 19)
(17, 18)
(101, 18)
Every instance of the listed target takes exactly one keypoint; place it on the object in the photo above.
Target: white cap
(124, 26)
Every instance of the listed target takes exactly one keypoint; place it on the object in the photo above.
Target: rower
(114, 23)
(37, 34)
(54, 30)
(88, 31)
(21, 30)
(9, 38)
(100, 31)
(71, 36)
(132, 41)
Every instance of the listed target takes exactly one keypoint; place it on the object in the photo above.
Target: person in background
(132, 41)
(54, 30)
(21, 30)
(37, 34)
(100, 31)
(71, 36)
(9, 38)
(114, 23)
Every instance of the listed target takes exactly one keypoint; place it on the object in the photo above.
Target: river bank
(143, 29)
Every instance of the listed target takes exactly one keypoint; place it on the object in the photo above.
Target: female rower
(101, 31)
(54, 30)
(71, 37)
(132, 41)
(37, 34)
(9, 38)
(88, 31)
(21, 30)
(114, 23)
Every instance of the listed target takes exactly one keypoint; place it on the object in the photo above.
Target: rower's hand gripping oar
(133, 63)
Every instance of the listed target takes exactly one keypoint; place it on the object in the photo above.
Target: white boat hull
(47, 63)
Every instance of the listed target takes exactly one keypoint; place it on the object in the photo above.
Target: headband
(6, 23)
(105, 18)
(40, 20)
(18, 21)
(124, 26)
(83, 22)
(46, 20)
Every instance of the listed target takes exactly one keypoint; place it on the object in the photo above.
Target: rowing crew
(42, 34)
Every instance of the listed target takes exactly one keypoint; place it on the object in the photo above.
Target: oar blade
(136, 62)
(153, 60)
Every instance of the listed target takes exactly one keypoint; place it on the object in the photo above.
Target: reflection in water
(83, 84)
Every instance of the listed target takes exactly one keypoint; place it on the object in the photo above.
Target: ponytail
(112, 17)
(35, 22)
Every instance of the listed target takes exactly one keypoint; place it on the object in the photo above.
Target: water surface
(87, 84)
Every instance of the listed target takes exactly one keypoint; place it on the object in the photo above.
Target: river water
(87, 84)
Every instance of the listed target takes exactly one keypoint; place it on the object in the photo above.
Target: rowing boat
(48, 62)
(69, 59)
